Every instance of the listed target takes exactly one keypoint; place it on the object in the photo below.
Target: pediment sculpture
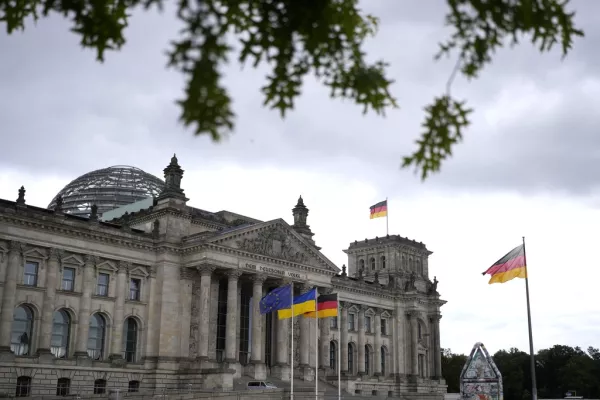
(273, 243)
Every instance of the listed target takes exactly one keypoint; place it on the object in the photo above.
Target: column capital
(362, 308)
(344, 305)
(325, 290)
(124, 266)
(258, 278)
(435, 317)
(153, 269)
(412, 314)
(55, 254)
(15, 246)
(378, 311)
(206, 270)
(233, 275)
(90, 260)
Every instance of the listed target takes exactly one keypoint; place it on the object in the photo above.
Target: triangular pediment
(107, 265)
(274, 239)
(139, 271)
(73, 259)
(34, 252)
(479, 366)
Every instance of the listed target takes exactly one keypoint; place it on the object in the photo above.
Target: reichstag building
(119, 283)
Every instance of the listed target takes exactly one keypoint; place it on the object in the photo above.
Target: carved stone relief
(273, 243)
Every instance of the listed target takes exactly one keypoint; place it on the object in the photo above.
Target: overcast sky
(528, 165)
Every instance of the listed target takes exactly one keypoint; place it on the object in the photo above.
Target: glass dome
(108, 188)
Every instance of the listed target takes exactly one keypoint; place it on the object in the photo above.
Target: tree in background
(559, 369)
(324, 38)
(452, 365)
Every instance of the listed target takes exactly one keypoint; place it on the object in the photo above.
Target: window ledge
(69, 293)
(99, 297)
(142, 303)
(27, 287)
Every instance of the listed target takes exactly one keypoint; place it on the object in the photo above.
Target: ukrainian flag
(306, 302)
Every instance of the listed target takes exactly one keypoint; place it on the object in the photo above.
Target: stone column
(325, 337)
(399, 340)
(304, 342)
(437, 358)
(377, 342)
(185, 298)
(204, 307)
(281, 369)
(361, 340)
(343, 329)
(231, 321)
(258, 369)
(153, 322)
(48, 306)
(414, 340)
(9, 295)
(117, 332)
(83, 323)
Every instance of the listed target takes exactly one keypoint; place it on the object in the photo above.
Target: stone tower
(300, 213)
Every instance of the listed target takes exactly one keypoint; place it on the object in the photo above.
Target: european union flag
(276, 299)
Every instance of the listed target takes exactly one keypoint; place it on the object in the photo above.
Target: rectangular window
(384, 327)
(102, 286)
(350, 322)
(68, 279)
(244, 353)
(134, 289)
(31, 273)
(367, 324)
(333, 323)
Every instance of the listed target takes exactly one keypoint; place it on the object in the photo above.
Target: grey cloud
(73, 114)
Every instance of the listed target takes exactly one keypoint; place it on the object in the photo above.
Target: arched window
(420, 330)
(22, 331)
(382, 262)
(61, 326)
(361, 264)
(350, 359)
(96, 337)
(372, 263)
(130, 336)
(367, 360)
(419, 267)
(99, 386)
(332, 355)
(23, 386)
(63, 387)
(383, 352)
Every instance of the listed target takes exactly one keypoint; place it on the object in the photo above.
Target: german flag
(327, 306)
(511, 266)
(379, 209)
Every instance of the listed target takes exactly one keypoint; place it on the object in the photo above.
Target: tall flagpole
(316, 344)
(292, 347)
(531, 354)
(339, 360)
(387, 217)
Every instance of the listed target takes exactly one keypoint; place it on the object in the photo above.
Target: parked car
(260, 385)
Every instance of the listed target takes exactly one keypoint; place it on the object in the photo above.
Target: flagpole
(292, 347)
(531, 354)
(316, 344)
(387, 217)
(339, 360)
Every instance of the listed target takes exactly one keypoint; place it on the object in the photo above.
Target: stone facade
(164, 298)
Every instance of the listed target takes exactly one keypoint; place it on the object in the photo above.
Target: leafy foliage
(322, 37)
(559, 369)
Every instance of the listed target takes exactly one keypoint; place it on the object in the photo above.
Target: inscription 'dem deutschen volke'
(273, 271)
